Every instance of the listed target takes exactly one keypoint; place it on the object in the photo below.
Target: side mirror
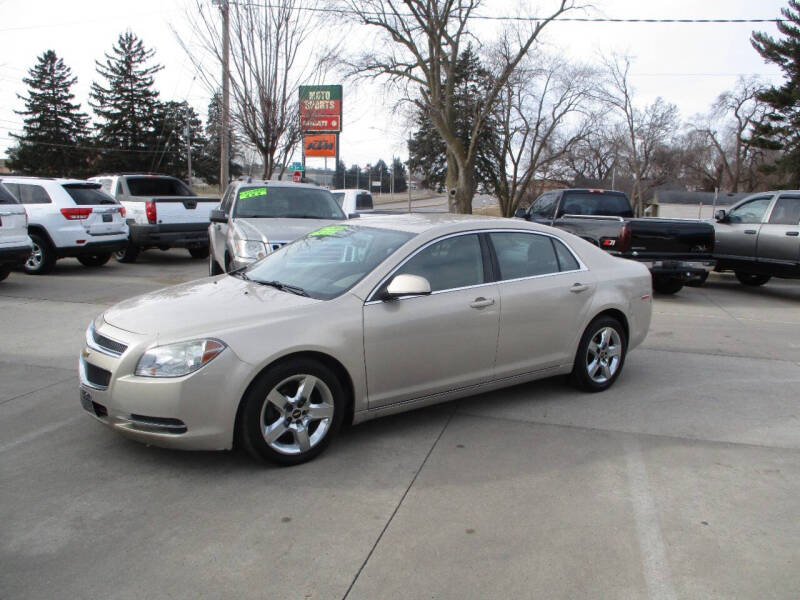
(521, 213)
(407, 285)
(217, 216)
(354, 216)
(720, 215)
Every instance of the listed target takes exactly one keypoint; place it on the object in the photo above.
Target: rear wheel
(291, 412)
(199, 252)
(667, 285)
(4, 271)
(752, 279)
(601, 355)
(42, 258)
(128, 254)
(95, 260)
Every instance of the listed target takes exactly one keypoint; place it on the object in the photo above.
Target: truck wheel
(128, 254)
(199, 252)
(42, 258)
(667, 285)
(752, 279)
(4, 271)
(94, 260)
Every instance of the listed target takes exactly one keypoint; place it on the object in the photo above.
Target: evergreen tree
(128, 107)
(781, 128)
(171, 123)
(208, 161)
(399, 175)
(338, 176)
(427, 150)
(55, 134)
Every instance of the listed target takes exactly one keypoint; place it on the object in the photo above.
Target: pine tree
(208, 161)
(55, 134)
(171, 123)
(781, 128)
(128, 107)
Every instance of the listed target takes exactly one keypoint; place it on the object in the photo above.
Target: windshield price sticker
(329, 230)
(252, 193)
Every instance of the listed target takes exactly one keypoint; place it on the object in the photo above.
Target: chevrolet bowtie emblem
(85, 353)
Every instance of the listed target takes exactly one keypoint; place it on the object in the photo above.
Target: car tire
(42, 258)
(667, 285)
(4, 272)
(128, 254)
(213, 267)
(752, 279)
(94, 260)
(601, 355)
(199, 252)
(282, 424)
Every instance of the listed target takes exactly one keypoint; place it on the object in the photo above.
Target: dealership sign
(322, 144)
(321, 108)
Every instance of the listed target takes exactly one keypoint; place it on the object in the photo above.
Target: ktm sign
(320, 145)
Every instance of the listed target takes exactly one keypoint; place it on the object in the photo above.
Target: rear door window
(6, 197)
(786, 211)
(88, 194)
(27, 193)
(524, 254)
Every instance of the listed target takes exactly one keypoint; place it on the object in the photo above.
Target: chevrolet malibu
(360, 320)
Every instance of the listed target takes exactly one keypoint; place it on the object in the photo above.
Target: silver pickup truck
(759, 237)
(257, 217)
(162, 212)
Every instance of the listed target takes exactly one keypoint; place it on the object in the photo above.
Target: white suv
(15, 245)
(68, 217)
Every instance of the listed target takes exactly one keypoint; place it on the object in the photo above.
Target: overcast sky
(687, 64)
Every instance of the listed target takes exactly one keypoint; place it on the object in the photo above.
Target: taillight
(625, 237)
(122, 211)
(150, 211)
(76, 214)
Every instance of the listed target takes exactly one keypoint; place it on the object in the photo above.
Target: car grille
(108, 345)
(97, 376)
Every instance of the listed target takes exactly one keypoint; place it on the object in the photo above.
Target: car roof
(443, 222)
(280, 183)
(54, 180)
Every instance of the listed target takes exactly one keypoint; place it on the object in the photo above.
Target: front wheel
(128, 254)
(291, 412)
(95, 260)
(199, 252)
(601, 355)
(667, 285)
(752, 279)
(4, 272)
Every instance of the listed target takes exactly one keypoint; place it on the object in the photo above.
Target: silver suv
(15, 245)
(257, 217)
(68, 217)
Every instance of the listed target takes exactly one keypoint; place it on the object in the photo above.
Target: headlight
(249, 249)
(176, 360)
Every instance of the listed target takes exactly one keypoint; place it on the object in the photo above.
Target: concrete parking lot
(682, 481)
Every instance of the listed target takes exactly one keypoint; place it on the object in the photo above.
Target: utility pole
(187, 132)
(225, 131)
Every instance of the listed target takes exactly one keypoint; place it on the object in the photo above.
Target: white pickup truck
(162, 212)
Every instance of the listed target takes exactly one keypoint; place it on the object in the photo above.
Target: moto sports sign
(321, 108)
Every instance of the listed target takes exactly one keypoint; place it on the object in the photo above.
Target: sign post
(297, 177)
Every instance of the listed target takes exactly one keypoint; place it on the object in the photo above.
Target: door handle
(750, 231)
(793, 233)
(481, 302)
(578, 287)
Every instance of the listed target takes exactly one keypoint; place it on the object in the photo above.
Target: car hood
(272, 230)
(202, 307)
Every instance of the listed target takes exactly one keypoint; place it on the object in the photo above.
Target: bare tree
(270, 57)
(647, 129)
(593, 159)
(424, 40)
(542, 113)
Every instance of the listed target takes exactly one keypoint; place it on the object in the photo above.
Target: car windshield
(339, 197)
(606, 204)
(328, 262)
(286, 202)
(157, 186)
(84, 194)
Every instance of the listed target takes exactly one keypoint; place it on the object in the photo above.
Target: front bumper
(177, 235)
(14, 257)
(193, 412)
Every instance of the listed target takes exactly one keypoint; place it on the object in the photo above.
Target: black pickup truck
(605, 218)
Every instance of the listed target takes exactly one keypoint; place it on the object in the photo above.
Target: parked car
(673, 249)
(759, 237)
(357, 320)
(163, 212)
(15, 245)
(257, 217)
(68, 217)
(353, 201)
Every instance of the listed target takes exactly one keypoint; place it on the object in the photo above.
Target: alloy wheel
(34, 262)
(603, 355)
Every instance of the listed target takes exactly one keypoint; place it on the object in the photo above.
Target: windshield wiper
(240, 273)
(284, 287)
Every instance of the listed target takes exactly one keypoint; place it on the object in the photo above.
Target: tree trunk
(451, 182)
(465, 189)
